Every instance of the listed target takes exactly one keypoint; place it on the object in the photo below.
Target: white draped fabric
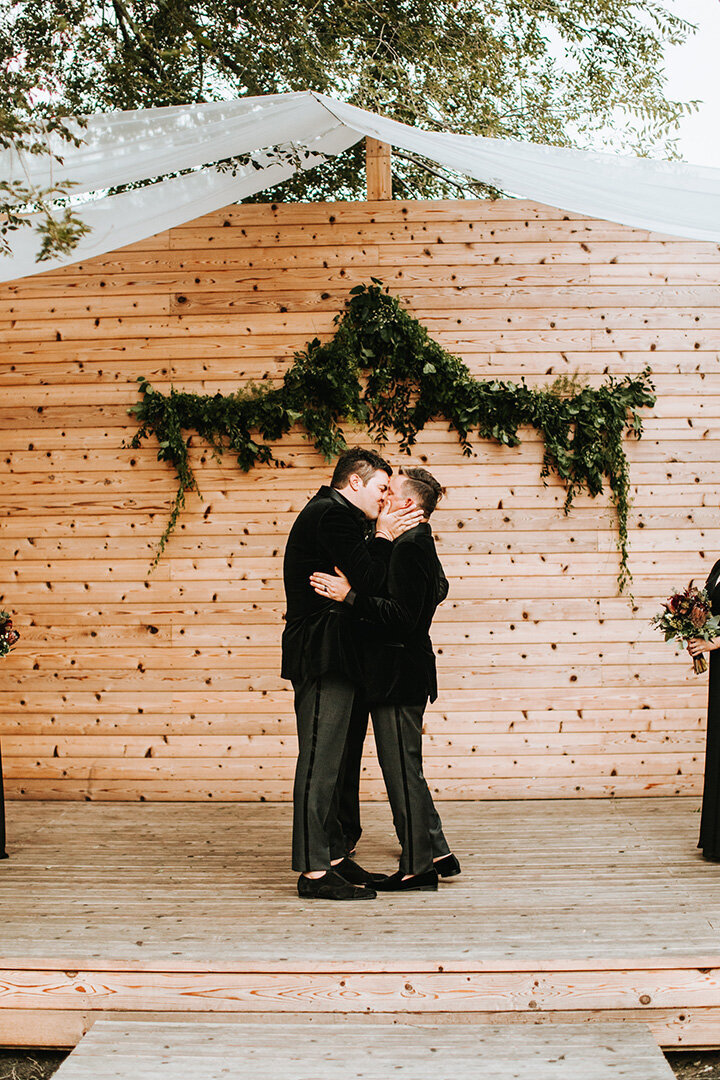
(124, 147)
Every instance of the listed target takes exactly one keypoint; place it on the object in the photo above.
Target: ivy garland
(409, 380)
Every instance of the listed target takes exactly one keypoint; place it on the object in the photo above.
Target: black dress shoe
(332, 887)
(425, 882)
(448, 866)
(355, 874)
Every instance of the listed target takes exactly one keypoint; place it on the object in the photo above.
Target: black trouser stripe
(313, 746)
(403, 770)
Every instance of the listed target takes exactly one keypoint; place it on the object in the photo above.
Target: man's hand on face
(393, 523)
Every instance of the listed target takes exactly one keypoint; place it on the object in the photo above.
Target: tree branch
(473, 187)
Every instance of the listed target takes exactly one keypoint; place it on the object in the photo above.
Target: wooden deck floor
(577, 910)
(207, 1051)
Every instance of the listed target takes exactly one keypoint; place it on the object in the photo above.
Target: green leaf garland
(409, 380)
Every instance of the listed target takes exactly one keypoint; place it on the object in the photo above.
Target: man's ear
(355, 481)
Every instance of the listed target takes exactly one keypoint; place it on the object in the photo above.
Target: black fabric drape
(710, 820)
(3, 852)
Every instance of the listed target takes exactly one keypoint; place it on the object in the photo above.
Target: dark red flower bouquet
(687, 615)
(8, 636)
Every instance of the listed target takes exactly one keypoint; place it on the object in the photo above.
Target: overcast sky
(694, 72)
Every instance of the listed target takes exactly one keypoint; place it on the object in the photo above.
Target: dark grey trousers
(398, 736)
(323, 708)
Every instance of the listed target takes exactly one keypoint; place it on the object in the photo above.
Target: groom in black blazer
(322, 656)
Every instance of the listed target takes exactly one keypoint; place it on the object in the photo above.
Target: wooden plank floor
(565, 910)
(206, 1051)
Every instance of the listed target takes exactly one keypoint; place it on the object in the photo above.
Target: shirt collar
(333, 493)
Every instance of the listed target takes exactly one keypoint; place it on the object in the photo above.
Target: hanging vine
(409, 380)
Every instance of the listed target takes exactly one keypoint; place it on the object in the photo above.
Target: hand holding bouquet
(8, 636)
(687, 615)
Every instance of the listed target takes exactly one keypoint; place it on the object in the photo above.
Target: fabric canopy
(286, 132)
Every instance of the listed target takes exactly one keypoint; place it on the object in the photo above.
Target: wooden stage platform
(566, 911)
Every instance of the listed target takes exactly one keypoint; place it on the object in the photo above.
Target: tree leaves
(585, 73)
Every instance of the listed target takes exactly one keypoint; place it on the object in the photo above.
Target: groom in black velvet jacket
(322, 656)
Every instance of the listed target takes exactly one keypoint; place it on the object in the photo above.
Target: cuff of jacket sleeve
(351, 597)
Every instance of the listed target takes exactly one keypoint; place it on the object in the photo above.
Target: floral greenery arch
(409, 379)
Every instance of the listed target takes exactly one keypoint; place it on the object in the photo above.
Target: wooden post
(378, 169)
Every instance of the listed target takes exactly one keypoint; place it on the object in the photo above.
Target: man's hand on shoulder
(393, 523)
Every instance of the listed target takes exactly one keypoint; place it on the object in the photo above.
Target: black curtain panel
(3, 852)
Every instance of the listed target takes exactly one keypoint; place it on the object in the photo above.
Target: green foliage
(409, 380)
(586, 73)
(59, 227)
(29, 118)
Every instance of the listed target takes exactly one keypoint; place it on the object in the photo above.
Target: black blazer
(320, 635)
(399, 660)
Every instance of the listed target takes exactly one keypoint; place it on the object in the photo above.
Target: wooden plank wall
(167, 687)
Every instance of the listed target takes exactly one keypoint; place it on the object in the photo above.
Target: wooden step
(115, 1050)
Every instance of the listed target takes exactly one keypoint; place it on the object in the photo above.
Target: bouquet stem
(699, 664)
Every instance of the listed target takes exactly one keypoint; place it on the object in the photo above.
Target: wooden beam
(378, 169)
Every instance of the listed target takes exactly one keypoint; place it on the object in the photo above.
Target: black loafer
(425, 882)
(332, 887)
(356, 875)
(448, 866)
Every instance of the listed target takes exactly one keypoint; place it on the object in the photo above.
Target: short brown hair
(426, 490)
(363, 462)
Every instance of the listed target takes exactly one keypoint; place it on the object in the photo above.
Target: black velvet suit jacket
(320, 635)
(399, 662)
